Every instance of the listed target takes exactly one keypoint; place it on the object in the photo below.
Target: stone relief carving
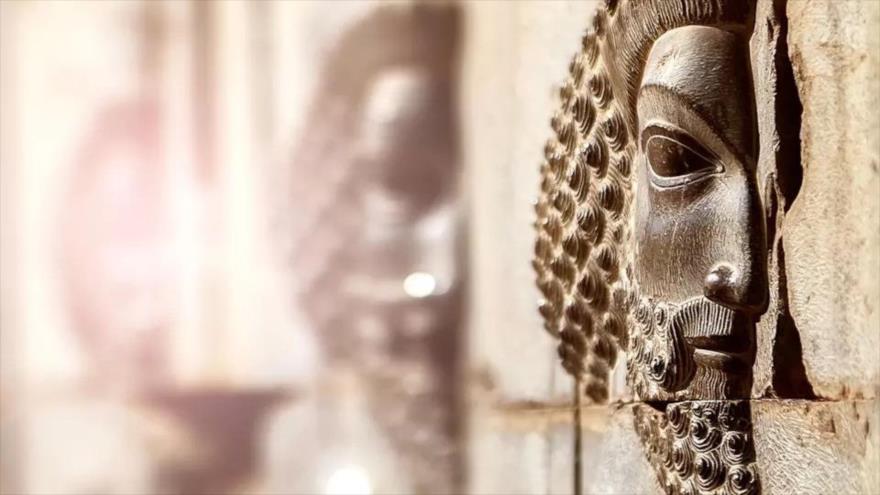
(651, 235)
(385, 131)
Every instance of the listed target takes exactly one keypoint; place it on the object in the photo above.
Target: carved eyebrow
(653, 129)
(697, 111)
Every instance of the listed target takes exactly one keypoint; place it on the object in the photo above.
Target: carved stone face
(699, 261)
(650, 229)
(651, 233)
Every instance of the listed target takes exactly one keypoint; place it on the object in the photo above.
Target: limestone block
(521, 451)
(612, 458)
(514, 56)
(831, 238)
(532, 451)
(778, 369)
(805, 447)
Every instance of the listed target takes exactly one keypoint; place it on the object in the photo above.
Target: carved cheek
(683, 233)
(677, 234)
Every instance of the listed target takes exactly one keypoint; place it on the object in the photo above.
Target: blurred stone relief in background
(232, 247)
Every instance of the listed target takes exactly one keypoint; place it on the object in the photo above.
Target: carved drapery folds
(651, 234)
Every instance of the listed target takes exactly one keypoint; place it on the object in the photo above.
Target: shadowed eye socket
(675, 158)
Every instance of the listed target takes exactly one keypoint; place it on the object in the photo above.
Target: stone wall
(520, 428)
(814, 409)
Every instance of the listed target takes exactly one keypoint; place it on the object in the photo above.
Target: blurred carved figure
(115, 249)
(117, 277)
(376, 240)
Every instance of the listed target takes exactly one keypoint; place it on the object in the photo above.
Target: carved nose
(727, 286)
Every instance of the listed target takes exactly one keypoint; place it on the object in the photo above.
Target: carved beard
(695, 349)
(695, 447)
(700, 447)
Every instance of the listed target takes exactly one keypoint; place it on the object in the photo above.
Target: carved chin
(696, 345)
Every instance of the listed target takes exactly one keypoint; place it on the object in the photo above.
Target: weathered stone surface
(613, 461)
(817, 447)
(521, 51)
(831, 240)
(521, 451)
(778, 369)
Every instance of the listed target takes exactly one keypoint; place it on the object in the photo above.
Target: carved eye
(675, 158)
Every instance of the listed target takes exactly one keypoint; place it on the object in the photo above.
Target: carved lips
(678, 340)
(720, 337)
